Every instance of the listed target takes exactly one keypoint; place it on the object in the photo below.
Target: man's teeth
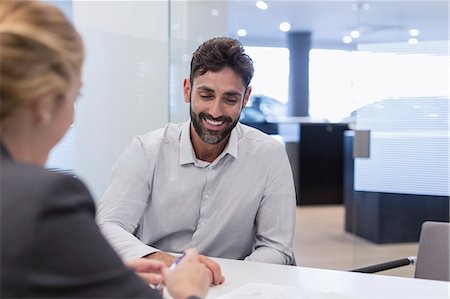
(214, 123)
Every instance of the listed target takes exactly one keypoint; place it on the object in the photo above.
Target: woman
(50, 244)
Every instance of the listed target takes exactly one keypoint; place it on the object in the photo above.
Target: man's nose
(216, 108)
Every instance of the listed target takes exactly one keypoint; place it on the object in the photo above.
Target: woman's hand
(190, 277)
(149, 270)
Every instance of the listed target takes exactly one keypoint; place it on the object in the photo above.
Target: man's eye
(206, 97)
(231, 100)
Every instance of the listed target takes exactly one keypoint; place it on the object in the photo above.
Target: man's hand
(163, 257)
(148, 270)
(213, 267)
(216, 272)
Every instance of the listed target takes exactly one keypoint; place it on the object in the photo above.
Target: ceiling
(328, 21)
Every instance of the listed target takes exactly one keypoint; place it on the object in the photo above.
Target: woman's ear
(43, 107)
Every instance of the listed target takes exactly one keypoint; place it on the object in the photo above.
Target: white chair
(433, 256)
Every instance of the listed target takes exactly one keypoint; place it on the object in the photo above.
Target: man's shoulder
(168, 133)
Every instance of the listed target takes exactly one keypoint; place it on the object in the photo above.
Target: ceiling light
(355, 34)
(360, 6)
(242, 32)
(285, 27)
(261, 5)
(215, 12)
(414, 32)
(347, 39)
(413, 41)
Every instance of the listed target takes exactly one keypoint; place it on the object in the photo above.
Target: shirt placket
(205, 207)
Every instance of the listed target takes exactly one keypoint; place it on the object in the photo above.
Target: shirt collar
(187, 153)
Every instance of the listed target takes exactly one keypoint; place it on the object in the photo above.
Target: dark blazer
(50, 243)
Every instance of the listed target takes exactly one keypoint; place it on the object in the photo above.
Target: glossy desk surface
(348, 284)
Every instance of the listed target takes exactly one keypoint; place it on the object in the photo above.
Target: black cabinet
(317, 163)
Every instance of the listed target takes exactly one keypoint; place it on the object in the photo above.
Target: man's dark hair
(220, 52)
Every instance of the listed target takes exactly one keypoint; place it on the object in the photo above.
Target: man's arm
(275, 220)
(124, 202)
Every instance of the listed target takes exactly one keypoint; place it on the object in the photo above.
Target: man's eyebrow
(228, 93)
(233, 93)
(205, 88)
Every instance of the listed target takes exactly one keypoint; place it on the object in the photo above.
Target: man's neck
(204, 151)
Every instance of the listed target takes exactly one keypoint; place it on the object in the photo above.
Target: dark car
(261, 108)
(261, 111)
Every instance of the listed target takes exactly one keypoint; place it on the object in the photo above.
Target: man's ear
(187, 90)
(246, 96)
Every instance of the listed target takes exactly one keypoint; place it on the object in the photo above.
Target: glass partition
(379, 66)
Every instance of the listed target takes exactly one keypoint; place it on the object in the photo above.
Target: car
(261, 108)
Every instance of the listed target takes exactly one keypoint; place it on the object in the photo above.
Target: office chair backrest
(433, 254)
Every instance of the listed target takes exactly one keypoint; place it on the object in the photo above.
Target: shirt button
(202, 223)
(206, 195)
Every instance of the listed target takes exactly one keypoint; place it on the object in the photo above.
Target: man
(211, 183)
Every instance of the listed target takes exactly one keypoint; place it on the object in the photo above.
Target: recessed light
(413, 41)
(186, 57)
(414, 32)
(215, 12)
(261, 5)
(347, 39)
(285, 26)
(360, 6)
(355, 34)
(242, 32)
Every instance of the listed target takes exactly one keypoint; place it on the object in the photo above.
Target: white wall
(125, 89)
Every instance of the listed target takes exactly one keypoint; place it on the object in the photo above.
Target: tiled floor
(322, 242)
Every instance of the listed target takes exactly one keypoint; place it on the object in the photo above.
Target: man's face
(216, 100)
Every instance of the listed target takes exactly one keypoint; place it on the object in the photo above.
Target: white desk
(357, 285)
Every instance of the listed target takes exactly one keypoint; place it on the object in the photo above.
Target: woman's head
(41, 53)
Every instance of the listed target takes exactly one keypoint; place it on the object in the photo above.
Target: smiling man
(211, 183)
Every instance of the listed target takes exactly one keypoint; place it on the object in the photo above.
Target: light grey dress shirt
(240, 206)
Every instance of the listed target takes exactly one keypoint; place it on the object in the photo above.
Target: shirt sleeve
(70, 257)
(275, 219)
(124, 202)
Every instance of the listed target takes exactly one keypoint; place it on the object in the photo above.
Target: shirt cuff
(137, 252)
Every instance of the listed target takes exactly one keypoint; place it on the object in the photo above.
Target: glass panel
(191, 23)
(362, 53)
(125, 88)
(403, 97)
(62, 156)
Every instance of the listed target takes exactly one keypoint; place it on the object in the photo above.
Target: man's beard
(212, 136)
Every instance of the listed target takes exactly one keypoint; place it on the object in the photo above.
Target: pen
(160, 285)
(177, 261)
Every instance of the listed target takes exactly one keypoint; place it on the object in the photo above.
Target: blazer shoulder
(37, 187)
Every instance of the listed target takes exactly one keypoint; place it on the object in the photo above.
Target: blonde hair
(40, 51)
